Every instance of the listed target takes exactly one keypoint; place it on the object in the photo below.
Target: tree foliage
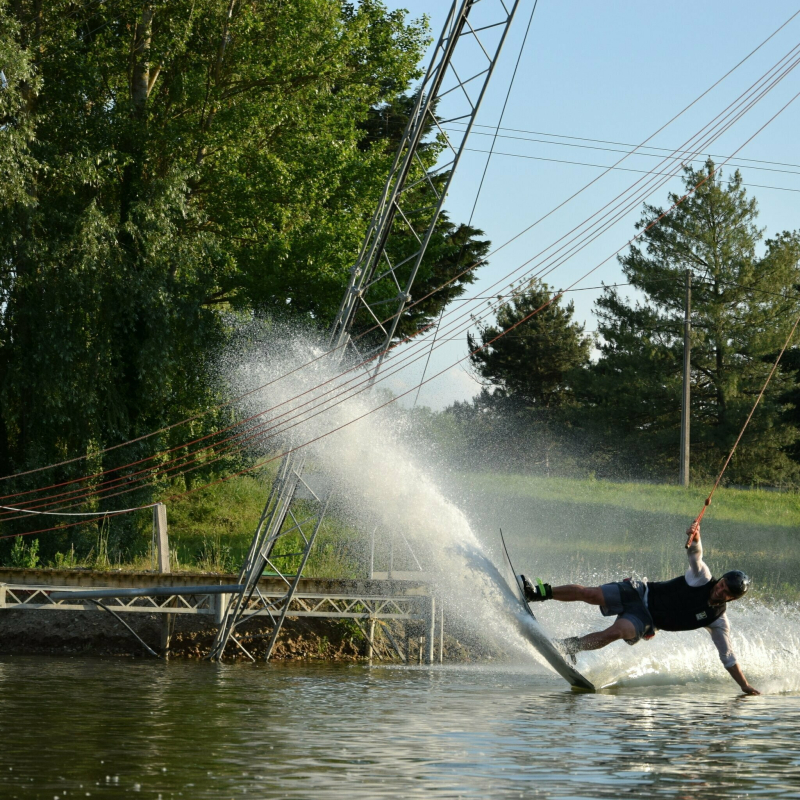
(528, 360)
(743, 304)
(533, 350)
(164, 165)
(165, 168)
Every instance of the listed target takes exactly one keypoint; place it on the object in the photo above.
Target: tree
(164, 168)
(528, 360)
(186, 161)
(454, 251)
(531, 361)
(743, 304)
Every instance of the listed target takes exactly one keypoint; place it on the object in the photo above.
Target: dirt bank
(101, 634)
(81, 633)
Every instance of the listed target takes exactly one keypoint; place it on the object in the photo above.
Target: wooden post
(430, 637)
(162, 553)
(687, 375)
(162, 539)
(441, 635)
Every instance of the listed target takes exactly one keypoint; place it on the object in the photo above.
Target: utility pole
(685, 408)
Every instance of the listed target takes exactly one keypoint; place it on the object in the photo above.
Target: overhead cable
(446, 283)
(750, 105)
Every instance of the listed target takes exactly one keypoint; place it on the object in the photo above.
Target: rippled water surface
(111, 728)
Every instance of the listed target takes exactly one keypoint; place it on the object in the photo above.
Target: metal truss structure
(379, 290)
(262, 554)
(205, 600)
(450, 95)
(213, 601)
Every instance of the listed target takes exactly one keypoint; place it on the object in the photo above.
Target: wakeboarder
(691, 601)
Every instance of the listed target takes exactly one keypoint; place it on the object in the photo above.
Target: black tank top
(676, 606)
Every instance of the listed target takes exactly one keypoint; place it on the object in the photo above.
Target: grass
(570, 529)
(588, 530)
(733, 505)
(209, 531)
(212, 531)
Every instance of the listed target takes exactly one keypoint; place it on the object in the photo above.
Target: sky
(615, 72)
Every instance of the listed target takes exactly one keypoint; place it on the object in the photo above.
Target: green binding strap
(542, 592)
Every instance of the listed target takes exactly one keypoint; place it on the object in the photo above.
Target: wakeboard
(542, 642)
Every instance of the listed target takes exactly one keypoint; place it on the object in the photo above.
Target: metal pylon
(271, 527)
(379, 290)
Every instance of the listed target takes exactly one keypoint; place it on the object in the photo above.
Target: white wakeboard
(543, 643)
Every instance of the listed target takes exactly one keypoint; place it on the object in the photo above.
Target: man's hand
(693, 532)
(737, 674)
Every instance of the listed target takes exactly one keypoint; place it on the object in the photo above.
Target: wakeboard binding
(538, 593)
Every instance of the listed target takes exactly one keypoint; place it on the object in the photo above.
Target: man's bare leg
(621, 629)
(573, 592)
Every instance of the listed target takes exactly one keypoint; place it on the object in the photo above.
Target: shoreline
(76, 633)
(31, 631)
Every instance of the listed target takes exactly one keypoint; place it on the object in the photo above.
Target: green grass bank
(588, 530)
(567, 529)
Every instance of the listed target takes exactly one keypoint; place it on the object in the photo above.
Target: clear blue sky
(617, 72)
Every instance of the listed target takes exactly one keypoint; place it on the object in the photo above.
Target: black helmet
(737, 582)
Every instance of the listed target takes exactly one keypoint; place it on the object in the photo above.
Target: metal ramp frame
(379, 289)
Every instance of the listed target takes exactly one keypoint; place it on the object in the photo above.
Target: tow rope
(694, 529)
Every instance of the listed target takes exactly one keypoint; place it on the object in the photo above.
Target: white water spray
(378, 480)
(375, 476)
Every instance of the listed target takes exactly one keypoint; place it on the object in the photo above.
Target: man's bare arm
(698, 573)
(737, 674)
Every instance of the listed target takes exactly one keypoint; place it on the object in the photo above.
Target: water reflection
(94, 728)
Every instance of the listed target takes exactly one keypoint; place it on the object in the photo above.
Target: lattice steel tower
(379, 290)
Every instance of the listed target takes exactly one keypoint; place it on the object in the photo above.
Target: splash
(766, 640)
(367, 454)
(377, 479)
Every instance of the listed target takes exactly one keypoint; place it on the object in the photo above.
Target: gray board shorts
(625, 600)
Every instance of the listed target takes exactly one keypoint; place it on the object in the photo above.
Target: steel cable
(442, 286)
(552, 267)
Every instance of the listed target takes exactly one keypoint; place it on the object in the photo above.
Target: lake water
(76, 728)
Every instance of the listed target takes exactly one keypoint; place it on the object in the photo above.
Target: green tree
(454, 251)
(743, 305)
(533, 360)
(169, 164)
(528, 367)
(163, 167)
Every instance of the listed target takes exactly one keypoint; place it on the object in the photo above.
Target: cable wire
(501, 334)
(415, 359)
(476, 264)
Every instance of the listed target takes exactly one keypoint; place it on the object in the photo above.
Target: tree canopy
(743, 304)
(164, 166)
(167, 170)
(533, 349)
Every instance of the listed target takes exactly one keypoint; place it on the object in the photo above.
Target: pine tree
(528, 368)
(743, 305)
(532, 362)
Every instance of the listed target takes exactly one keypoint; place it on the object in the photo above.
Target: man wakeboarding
(693, 600)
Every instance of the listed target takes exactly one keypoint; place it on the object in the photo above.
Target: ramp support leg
(430, 637)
